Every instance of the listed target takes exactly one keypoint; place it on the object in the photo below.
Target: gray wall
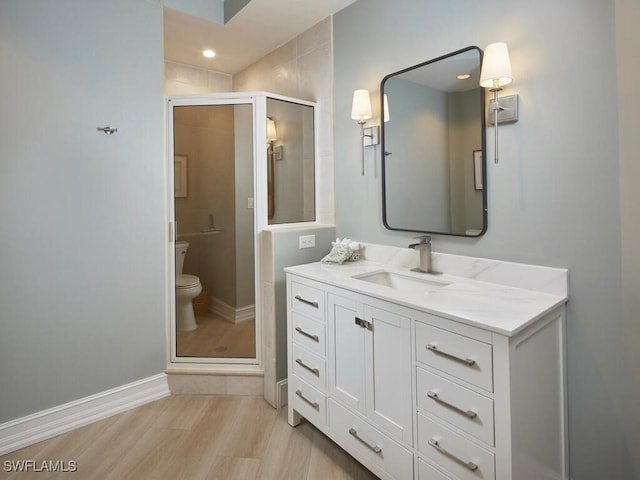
(554, 199)
(83, 242)
(417, 124)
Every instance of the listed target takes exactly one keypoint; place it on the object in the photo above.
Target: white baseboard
(232, 314)
(39, 426)
(282, 393)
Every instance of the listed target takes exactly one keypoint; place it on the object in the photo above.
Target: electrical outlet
(306, 241)
(250, 202)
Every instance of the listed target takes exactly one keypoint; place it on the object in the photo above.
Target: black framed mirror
(433, 147)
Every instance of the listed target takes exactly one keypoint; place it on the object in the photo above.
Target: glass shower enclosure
(237, 163)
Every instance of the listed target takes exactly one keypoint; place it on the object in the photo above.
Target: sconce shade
(386, 108)
(272, 136)
(361, 107)
(496, 66)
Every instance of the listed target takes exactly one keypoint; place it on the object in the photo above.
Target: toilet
(188, 287)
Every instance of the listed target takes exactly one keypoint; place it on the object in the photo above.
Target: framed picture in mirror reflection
(477, 169)
(180, 176)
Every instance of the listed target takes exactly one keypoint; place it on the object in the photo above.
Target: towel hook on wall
(107, 130)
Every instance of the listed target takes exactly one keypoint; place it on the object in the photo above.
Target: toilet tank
(181, 251)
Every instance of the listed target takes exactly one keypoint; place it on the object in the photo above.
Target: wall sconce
(495, 74)
(272, 136)
(361, 111)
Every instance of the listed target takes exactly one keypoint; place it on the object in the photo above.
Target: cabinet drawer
(458, 405)
(427, 472)
(308, 333)
(308, 401)
(457, 355)
(368, 445)
(307, 300)
(453, 452)
(309, 367)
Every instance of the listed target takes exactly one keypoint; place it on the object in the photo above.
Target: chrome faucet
(424, 247)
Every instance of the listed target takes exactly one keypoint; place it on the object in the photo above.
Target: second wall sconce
(272, 137)
(494, 75)
(361, 111)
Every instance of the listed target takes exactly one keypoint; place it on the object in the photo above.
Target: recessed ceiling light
(208, 53)
(463, 76)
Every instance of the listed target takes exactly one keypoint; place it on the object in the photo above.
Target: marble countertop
(496, 307)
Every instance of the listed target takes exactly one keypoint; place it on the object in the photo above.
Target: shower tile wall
(303, 68)
(184, 79)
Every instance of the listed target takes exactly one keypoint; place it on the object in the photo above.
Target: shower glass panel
(214, 215)
(290, 162)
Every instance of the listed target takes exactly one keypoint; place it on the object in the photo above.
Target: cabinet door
(346, 352)
(388, 367)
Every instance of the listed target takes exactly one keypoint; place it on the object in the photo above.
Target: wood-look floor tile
(233, 468)
(195, 438)
(104, 453)
(197, 450)
(249, 433)
(288, 452)
(328, 460)
(181, 411)
(149, 458)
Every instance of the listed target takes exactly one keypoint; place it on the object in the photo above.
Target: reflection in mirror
(215, 277)
(291, 162)
(434, 175)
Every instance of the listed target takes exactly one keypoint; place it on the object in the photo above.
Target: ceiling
(258, 29)
(441, 75)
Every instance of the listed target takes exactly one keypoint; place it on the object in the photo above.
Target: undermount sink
(398, 281)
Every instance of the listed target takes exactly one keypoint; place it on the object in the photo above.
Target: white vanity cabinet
(412, 394)
(370, 364)
(357, 390)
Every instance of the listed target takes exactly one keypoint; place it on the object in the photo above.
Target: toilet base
(185, 318)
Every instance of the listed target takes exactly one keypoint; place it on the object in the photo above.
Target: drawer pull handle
(308, 302)
(315, 405)
(470, 465)
(375, 448)
(468, 413)
(306, 334)
(315, 371)
(435, 349)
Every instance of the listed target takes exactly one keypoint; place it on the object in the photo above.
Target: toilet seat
(187, 281)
